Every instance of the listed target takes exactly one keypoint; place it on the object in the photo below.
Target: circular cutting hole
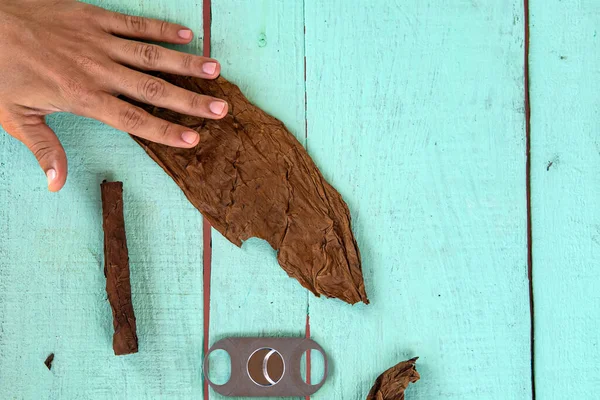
(265, 367)
(219, 367)
(312, 365)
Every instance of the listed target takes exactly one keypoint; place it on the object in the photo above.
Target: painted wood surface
(415, 113)
(260, 45)
(52, 296)
(565, 169)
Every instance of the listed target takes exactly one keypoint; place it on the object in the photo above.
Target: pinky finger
(131, 119)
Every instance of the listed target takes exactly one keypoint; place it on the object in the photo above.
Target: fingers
(150, 57)
(46, 147)
(129, 118)
(155, 91)
(144, 28)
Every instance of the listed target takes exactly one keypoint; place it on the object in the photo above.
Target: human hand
(64, 55)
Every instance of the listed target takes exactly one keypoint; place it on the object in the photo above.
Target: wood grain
(260, 47)
(415, 113)
(52, 296)
(565, 93)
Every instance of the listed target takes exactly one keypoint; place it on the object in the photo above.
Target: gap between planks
(307, 327)
(528, 192)
(206, 228)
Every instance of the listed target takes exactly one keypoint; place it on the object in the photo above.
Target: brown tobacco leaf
(49, 360)
(393, 382)
(250, 177)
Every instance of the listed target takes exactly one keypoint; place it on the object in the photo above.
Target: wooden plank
(260, 47)
(565, 93)
(52, 296)
(415, 113)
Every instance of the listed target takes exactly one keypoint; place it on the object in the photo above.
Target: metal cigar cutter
(266, 367)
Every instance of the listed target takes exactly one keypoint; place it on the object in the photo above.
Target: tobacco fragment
(116, 269)
(49, 360)
(250, 177)
(391, 384)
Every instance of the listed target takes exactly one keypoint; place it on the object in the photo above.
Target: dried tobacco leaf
(250, 177)
(393, 382)
(48, 362)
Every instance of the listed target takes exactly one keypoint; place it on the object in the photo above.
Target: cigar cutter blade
(266, 367)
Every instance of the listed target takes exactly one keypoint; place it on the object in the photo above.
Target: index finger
(144, 28)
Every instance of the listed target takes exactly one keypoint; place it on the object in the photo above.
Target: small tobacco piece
(250, 177)
(116, 269)
(393, 382)
(49, 360)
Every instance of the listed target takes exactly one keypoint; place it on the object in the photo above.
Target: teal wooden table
(416, 111)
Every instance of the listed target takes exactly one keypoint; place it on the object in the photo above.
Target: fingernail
(51, 175)
(209, 67)
(217, 107)
(189, 137)
(184, 34)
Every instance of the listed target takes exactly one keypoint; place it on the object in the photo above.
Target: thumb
(46, 147)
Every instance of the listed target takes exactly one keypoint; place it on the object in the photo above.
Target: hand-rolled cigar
(116, 269)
